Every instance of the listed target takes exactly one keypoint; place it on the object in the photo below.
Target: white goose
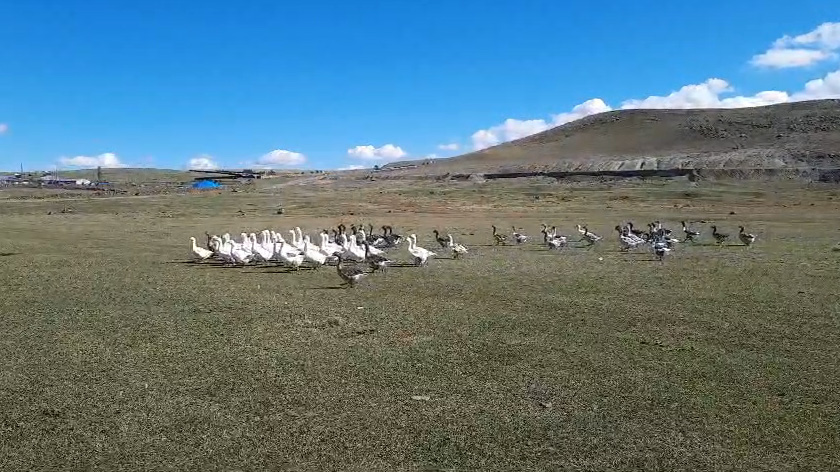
(290, 255)
(246, 242)
(421, 255)
(284, 249)
(351, 250)
(222, 249)
(199, 252)
(260, 252)
(329, 248)
(240, 255)
(312, 255)
(457, 249)
(267, 241)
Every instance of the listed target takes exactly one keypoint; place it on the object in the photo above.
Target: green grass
(118, 355)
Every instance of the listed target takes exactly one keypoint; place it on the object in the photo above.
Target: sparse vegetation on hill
(800, 134)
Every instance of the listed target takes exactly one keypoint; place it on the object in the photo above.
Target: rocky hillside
(802, 134)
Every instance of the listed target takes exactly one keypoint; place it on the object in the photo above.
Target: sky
(333, 84)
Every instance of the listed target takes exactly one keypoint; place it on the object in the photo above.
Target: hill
(801, 134)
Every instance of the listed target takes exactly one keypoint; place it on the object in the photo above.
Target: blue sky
(328, 84)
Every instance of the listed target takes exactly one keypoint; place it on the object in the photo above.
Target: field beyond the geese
(116, 353)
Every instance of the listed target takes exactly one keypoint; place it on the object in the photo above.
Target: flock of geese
(337, 247)
(350, 251)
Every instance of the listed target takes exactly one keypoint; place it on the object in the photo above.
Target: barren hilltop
(800, 134)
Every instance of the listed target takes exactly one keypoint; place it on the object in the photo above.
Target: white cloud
(281, 158)
(590, 107)
(508, 131)
(485, 138)
(703, 95)
(514, 129)
(107, 160)
(827, 87)
(4, 128)
(825, 36)
(785, 58)
(352, 167)
(203, 162)
(803, 50)
(449, 147)
(388, 152)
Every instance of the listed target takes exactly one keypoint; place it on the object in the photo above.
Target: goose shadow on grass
(8, 254)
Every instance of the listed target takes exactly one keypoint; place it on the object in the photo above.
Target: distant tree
(376, 167)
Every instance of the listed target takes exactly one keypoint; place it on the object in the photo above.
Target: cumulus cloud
(3, 128)
(514, 129)
(802, 50)
(281, 158)
(449, 147)
(590, 107)
(508, 131)
(827, 87)
(826, 36)
(107, 160)
(388, 152)
(203, 162)
(707, 95)
(352, 167)
(785, 58)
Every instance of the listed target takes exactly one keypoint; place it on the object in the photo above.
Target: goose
(199, 252)
(269, 243)
(351, 275)
(376, 261)
(661, 249)
(393, 239)
(362, 237)
(312, 255)
(719, 237)
(519, 237)
(458, 250)
(294, 241)
(223, 250)
(246, 242)
(284, 249)
(627, 240)
(557, 242)
(312, 246)
(377, 240)
(240, 255)
(226, 239)
(690, 234)
(329, 248)
(209, 238)
(441, 240)
(499, 238)
(421, 255)
(745, 238)
(299, 238)
(259, 251)
(289, 255)
(591, 238)
(637, 232)
(351, 250)
(551, 239)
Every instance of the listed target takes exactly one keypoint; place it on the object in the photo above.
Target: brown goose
(351, 275)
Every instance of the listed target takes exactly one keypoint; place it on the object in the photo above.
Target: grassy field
(117, 354)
